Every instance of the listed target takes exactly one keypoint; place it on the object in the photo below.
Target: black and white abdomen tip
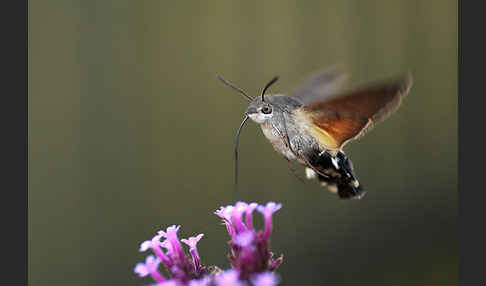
(339, 177)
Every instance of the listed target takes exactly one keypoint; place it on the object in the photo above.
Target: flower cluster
(249, 248)
(252, 262)
(179, 267)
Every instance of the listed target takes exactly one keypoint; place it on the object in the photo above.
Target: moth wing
(320, 85)
(336, 120)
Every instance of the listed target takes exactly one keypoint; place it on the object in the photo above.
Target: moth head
(261, 109)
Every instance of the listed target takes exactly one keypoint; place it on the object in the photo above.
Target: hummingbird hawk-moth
(312, 124)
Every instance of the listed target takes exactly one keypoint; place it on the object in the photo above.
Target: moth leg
(325, 180)
(314, 168)
(294, 171)
(310, 174)
(285, 137)
(328, 182)
(286, 140)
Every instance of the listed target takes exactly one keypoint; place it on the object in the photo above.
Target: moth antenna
(235, 194)
(268, 85)
(234, 87)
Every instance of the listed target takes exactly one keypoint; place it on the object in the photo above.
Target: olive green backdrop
(129, 132)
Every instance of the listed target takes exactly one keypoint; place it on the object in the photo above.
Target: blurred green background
(129, 132)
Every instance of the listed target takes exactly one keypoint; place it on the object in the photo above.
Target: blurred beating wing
(320, 85)
(335, 120)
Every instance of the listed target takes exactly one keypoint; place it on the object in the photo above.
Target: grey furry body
(283, 132)
(291, 139)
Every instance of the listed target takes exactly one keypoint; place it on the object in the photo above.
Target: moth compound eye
(267, 109)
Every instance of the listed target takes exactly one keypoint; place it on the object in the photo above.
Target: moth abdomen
(340, 177)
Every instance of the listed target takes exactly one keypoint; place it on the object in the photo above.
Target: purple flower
(237, 216)
(192, 242)
(244, 239)
(175, 250)
(249, 210)
(166, 244)
(149, 268)
(265, 279)
(155, 242)
(155, 245)
(267, 212)
(225, 214)
(228, 278)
